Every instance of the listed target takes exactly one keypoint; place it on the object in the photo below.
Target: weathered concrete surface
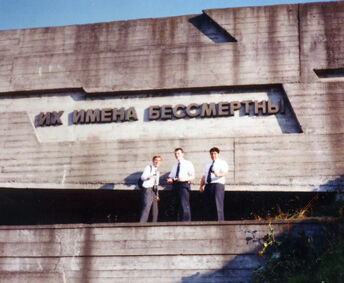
(168, 252)
(115, 56)
(155, 60)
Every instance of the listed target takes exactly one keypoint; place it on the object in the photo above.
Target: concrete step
(161, 252)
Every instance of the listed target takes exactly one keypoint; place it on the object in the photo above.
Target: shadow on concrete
(86, 261)
(211, 29)
(319, 234)
(336, 185)
(108, 186)
(286, 119)
(163, 182)
(133, 179)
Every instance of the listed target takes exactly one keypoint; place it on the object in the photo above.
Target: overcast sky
(17, 14)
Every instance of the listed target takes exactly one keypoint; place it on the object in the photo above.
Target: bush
(295, 259)
(329, 270)
(285, 257)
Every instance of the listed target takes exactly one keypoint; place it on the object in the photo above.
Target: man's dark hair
(179, 148)
(214, 149)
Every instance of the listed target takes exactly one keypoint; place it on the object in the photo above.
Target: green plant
(269, 241)
(329, 270)
(285, 257)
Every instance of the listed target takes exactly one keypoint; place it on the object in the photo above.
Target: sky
(18, 14)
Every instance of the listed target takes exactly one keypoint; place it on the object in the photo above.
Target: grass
(311, 209)
(330, 268)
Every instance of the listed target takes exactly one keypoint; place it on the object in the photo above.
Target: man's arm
(169, 178)
(191, 173)
(146, 175)
(223, 170)
(201, 187)
(220, 174)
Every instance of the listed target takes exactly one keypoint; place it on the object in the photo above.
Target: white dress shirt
(149, 171)
(186, 170)
(220, 166)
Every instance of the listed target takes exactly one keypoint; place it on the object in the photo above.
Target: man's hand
(219, 175)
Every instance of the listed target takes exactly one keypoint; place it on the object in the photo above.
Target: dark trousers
(181, 199)
(149, 201)
(214, 195)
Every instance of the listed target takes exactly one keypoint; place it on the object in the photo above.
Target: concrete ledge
(176, 223)
(163, 252)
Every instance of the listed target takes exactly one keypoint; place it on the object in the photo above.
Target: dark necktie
(209, 173)
(156, 177)
(178, 168)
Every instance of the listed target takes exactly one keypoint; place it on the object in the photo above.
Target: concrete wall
(197, 252)
(272, 52)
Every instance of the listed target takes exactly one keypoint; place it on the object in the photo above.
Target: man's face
(214, 155)
(179, 155)
(156, 162)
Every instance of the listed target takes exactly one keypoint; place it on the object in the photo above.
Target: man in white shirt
(150, 178)
(181, 175)
(214, 180)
